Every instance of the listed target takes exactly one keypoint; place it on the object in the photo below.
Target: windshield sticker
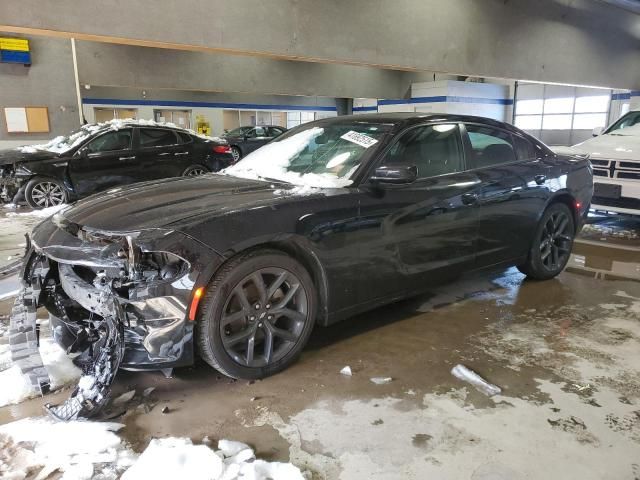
(361, 139)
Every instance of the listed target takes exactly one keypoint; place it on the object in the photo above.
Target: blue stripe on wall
(180, 103)
(365, 109)
(620, 96)
(443, 99)
(635, 93)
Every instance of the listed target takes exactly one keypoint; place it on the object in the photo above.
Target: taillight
(222, 149)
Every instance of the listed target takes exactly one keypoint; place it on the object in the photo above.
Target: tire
(43, 192)
(552, 243)
(236, 153)
(195, 171)
(234, 339)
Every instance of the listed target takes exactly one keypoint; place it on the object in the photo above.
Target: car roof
(407, 118)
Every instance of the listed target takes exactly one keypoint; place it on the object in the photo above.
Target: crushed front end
(115, 300)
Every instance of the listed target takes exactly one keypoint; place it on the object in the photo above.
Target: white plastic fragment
(125, 397)
(381, 380)
(480, 384)
(346, 371)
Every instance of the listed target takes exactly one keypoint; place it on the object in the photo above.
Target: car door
(256, 138)
(160, 153)
(104, 162)
(425, 230)
(514, 191)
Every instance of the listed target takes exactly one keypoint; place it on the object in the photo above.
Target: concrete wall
(144, 67)
(47, 82)
(567, 41)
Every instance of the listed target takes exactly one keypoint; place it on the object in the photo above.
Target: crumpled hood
(612, 146)
(13, 155)
(172, 203)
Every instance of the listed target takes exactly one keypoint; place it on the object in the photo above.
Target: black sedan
(101, 156)
(244, 140)
(333, 218)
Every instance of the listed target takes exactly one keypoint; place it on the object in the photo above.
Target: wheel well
(570, 202)
(308, 260)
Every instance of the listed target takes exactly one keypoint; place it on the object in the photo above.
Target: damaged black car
(333, 218)
(105, 155)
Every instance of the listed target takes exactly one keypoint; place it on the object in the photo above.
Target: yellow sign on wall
(14, 44)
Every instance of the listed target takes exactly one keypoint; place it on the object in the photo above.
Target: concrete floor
(565, 352)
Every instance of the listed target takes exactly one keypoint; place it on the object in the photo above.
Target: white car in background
(615, 156)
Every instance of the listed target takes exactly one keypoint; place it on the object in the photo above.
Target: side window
(275, 132)
(260, 132)
(435, 150)
(524, 148)
(155, 137)
(184, 137)
(110, 142)
(491, 146)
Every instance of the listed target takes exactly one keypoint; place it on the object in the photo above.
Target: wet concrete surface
(565, 352)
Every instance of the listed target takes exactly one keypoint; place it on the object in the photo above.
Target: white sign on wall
(16, 120)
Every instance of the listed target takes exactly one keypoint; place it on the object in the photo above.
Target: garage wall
(47, 82)
(211, 105)
(565, 41)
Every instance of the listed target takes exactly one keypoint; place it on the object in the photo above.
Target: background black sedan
(333, 218)
(244, 140)
(101, 156)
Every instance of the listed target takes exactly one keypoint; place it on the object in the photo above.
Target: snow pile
(41, 446)
(63, 144)
(273, 160)
(43, 213)
(84, 450)
(15, 387)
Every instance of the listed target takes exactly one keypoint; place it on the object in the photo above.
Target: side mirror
(395, 174)
(597, 131)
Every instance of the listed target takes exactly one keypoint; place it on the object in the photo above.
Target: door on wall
(230, 120)
(181, 118)
(107, 114)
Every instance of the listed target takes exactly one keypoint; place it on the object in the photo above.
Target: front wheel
(257, 315)
(195, 171)
(552, 244)
(43, 192)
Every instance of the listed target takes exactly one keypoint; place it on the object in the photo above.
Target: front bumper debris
(114, 300)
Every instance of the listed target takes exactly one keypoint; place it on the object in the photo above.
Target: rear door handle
(181, 153)
(469, 198)
(540, 179)
(122, 159)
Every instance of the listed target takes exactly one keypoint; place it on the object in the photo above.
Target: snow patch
(39, 447)
(272, 160)
(15, 387)
(43, 213)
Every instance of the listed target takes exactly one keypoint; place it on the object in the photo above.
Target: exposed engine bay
(112, 303)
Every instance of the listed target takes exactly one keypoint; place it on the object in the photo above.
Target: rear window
(151, 137)
(524, 149)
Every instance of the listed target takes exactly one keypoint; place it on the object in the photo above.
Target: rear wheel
(236, 154)
(43, 192)
(195, 170)
(257, 315)
(552, 244)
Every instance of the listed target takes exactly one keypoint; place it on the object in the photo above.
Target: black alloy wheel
(257, 315)
(552, 244)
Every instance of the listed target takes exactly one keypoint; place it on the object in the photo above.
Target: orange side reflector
(197, 295)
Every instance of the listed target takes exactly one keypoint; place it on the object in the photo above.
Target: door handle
(181, 153)
(122, 159)
(163, 154)
(469, 198)
(540, 179)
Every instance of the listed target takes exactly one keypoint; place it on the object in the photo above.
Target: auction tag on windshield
(359, 139)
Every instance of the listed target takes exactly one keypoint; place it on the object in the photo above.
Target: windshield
(312, 155)
(629, 120)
